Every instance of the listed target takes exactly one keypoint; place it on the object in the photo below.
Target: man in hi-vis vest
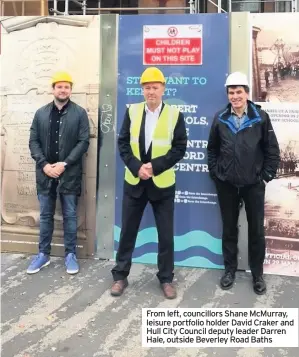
(151, 141)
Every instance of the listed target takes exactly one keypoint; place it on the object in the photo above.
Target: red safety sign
(172, 45)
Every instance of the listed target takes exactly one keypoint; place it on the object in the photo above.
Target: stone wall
(32, 50)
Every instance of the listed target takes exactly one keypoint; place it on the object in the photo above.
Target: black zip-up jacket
(246, 155)
(73, 144)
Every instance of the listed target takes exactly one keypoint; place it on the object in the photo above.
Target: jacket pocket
(71, 184)
(42, 179)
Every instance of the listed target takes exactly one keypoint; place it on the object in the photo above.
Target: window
(246, 5)
(224, 5)
(283, 6)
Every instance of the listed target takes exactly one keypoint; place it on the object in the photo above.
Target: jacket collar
(64, 108)
(252, 110)
(244, 113)
(161, 107)
(157, 110)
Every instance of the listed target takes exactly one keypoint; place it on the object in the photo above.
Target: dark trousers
(47, 211)
(132, 212)
(229, 198)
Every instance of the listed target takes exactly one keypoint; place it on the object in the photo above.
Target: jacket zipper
(234, 179)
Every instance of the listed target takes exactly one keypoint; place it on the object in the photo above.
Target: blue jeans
(69, 212)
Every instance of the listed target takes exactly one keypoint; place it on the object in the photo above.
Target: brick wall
(212, 8)
(25, 8)
(269, 6)
(168, 3)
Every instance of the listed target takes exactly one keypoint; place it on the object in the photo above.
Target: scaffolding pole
(76, 2)
(66, 7)
(135, 8)
(218, 5)
(259, 1)
(55, 7)
(193, 8)
(294, 5)
(56, 12)
(230, 2)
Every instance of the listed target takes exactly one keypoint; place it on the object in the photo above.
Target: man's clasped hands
(146, 171)
(54, 170)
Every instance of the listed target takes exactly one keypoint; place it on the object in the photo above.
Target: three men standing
(152, 140)
(243, 155)
(59, 137)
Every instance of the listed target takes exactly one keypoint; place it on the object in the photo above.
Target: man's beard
(60, 100)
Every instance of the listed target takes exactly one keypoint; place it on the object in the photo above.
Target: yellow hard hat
(152, 74)
(61, 77)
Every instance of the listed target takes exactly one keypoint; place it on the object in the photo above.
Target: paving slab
(52, 314)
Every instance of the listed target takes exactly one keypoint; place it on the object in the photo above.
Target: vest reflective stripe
(161, 141)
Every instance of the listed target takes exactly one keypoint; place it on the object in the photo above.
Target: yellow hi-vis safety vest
(161, 141)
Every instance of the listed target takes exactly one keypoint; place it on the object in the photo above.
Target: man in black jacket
(151, 141)
(59, 137)
(243, 155)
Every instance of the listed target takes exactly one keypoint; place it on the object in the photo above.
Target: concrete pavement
(51, 314)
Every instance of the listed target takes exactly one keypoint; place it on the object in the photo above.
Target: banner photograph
(186, 49)
(275, 64)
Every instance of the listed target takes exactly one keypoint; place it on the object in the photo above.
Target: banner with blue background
(198, 91)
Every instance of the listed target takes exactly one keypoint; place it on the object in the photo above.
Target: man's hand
(144, 173)
(54, 170)
(58, 168)
(149, 168)
(49, 170)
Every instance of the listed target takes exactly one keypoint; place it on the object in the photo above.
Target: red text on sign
(173, 51)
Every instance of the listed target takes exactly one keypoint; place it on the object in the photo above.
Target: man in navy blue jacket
(243, 156)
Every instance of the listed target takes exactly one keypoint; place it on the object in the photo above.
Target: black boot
(259, 285)
(227, 280)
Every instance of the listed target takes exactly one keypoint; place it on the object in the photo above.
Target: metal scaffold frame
(193, 8)
(218, 4)
(293, 3)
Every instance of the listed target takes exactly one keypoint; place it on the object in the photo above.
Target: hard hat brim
(61, 81)
(147, 82)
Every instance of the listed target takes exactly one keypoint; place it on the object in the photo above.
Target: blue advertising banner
(193, 53)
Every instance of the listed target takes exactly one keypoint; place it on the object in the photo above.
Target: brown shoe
(118, 287)
(168, 290)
